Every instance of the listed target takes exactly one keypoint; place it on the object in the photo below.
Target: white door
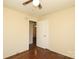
(42, 34)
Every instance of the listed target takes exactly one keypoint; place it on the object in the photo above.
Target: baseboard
(15, 55)
(59, 54)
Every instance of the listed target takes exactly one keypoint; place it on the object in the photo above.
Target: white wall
(61, 31)
(16, 30)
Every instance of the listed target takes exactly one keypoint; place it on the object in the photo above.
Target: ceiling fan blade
(40, 6)
(27, 2)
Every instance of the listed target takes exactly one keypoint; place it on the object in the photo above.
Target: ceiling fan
(36, 3)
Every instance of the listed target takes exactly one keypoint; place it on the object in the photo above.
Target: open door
(32, 34)
(42, 34)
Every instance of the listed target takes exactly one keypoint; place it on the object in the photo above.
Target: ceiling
(48, 6)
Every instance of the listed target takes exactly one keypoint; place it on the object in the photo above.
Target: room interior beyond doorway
(32, 34)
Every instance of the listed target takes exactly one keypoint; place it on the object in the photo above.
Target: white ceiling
(48, 6)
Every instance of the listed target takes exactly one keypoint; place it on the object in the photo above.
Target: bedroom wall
(16, 30)
(61, 31)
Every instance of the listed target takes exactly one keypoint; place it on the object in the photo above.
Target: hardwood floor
(38, 53)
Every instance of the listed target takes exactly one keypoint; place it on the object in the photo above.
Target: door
(42, 34)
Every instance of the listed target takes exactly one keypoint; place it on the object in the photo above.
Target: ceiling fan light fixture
(36, 2)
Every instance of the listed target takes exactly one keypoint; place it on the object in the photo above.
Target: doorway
(32, 34)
